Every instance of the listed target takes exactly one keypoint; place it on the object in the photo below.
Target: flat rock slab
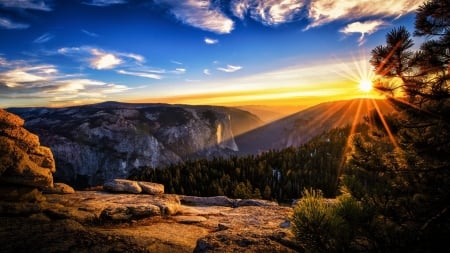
(85, 206)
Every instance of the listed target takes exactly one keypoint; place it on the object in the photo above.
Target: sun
(365, 85)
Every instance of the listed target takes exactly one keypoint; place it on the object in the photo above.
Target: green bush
(317, 224)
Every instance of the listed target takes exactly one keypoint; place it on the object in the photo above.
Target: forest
(274, 175)
(391, 184)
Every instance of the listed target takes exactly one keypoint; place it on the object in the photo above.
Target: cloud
(91, 34)
(80, 86)
(140, 74)
(367, 27)
(10, 25)
(269, 12)
(26, 4)
(200, 14)
(230, 68)
(176, 62)
(325, 11)
(103, 3)
(43, 38)
(210, 41)
(101, 59)
(26, 75)
(178, 71)
(206, 72)
(44, 82)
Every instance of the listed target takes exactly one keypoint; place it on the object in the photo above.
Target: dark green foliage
(280, 174)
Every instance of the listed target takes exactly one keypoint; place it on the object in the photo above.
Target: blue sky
(231, 52)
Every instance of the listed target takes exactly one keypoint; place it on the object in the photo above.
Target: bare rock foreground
(96, 221)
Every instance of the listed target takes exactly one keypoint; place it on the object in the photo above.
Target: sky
(223, 52)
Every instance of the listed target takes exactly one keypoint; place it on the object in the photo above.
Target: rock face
(96, 143)
(23, 161)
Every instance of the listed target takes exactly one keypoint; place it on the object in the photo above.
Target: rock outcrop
(96, 143)
(23, 161)
(130, 186)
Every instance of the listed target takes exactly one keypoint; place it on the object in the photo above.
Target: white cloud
(26, 4)
(8, 24)
(140, 74)
(201, 14)
(101, 59)
(20, 80)
(136, 57)
(104, 60)
(43, 38)
(176, 62)
(230, 68)
(179, 71)
(363, 28)
(19, 76)
(82, 85)
(210, 41)
(269, 12)
(103, 3)
(325, 11)
(91, 34)
(206, 72)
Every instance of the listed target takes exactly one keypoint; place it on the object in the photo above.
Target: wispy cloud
(201, 14)
(269, 12)
(176, 62)
(230, 68)
(363, 28)
(26, 4)
(178, 71)
(27, 75)
(210, 41)
(206, 72)
(103, 3)
(10, 25)
(325, 11)
(43, 38)
(140, 74)
(91, 34)
(22, 80)
(101, 59)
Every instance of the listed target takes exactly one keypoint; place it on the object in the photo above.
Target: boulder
(255, 202)
(122, 185)
(151, 188)
(207, 201)
(23, 161)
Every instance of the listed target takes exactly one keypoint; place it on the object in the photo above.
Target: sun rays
(361, 73)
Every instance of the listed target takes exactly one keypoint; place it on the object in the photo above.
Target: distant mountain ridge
(95, 143)
(302, 126)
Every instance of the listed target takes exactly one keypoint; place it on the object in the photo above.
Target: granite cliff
(95, 143)
(23, 161)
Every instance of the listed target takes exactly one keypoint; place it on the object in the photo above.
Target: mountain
(269, 113)
(300, 127)
(95, 143)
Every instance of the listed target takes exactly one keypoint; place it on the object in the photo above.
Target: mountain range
(95, 143)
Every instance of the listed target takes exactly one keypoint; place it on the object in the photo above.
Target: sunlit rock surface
(23, 161)
(97, 221)
(96, 143)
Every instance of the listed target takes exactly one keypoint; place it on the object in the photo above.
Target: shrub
(317, 224)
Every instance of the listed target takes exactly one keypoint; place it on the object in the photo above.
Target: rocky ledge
(100, 221)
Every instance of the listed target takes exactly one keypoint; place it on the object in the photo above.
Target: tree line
(279, 175)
